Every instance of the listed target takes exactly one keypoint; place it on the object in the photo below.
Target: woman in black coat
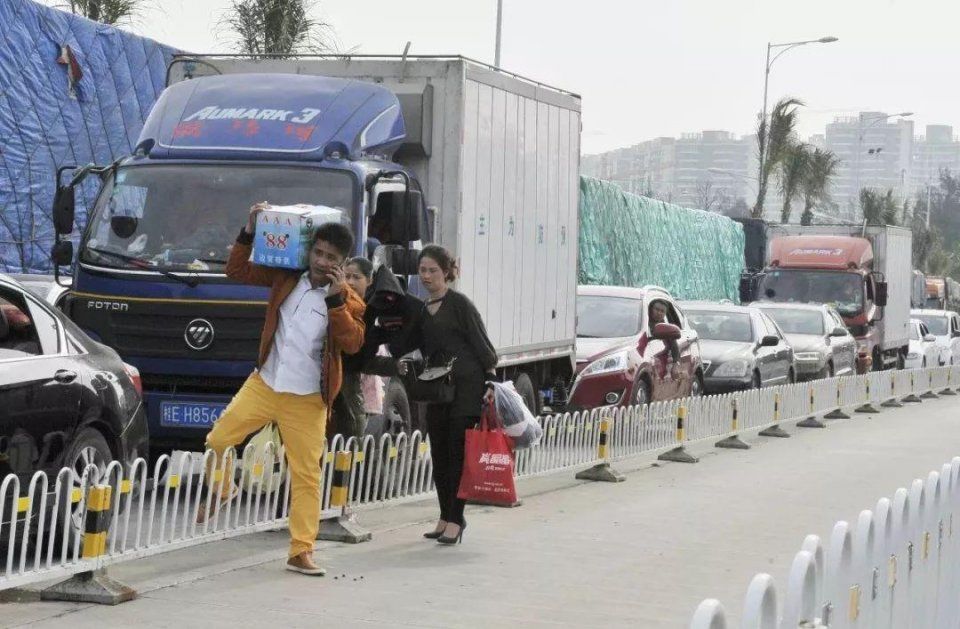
(450, 327)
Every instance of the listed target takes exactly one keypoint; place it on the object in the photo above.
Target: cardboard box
(284, 233)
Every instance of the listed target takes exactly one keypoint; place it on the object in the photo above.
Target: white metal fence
(45, 523)
(898, 566)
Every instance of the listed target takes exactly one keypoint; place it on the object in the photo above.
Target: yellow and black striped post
(812, 421)
(679, 454)
(912, 397)
(867, 406)
(733, 441)
(774, 430)
(930, 393)
(892, 401)
(838, 413)
(602, 471)
(949, 388)
(336, 525)
(97, 521)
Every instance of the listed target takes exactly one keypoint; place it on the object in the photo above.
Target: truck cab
(835, 270)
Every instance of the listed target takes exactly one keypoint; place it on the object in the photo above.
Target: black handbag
(430, 381)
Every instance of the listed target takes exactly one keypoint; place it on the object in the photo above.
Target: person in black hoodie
(450, 327)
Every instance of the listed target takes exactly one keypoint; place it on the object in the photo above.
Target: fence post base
(678, 455)
(89, 587)
(774, 431)
(948, 391)
(734, 442)
(892, 403)
(601, 473)
(912, 399)
(811, 422)
(343, 529)
(929, 395)
(867, 408)
(836, 413)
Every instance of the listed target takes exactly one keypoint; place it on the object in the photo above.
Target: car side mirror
(666, 332)
(881, 299)
(405, 216)
(838, 331)
(769, 341)
(62, 253)
(930, 338)
(64, 207)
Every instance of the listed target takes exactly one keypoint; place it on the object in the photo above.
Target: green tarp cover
(629, 240)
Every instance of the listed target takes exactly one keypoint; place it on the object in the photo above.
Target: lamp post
(787, 46)
(496, 54)
(862, 131)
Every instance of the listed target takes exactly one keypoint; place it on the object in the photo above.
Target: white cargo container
(498, 157)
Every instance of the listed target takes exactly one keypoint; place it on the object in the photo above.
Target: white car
(945, 326)
(923, 351)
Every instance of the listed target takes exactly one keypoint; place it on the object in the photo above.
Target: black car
(65, 400)
(741, 347)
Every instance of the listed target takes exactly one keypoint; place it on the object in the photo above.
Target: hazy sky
(648, 69)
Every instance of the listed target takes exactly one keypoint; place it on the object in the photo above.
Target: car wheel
(696, 386)
(89, 448)
(524, 386)
(641, 393)
(756, 382)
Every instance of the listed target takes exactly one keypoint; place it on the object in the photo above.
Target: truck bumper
(186, 434)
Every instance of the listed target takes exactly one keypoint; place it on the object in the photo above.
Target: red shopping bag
(488, 463)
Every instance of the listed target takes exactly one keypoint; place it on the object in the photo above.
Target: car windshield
(721, 326)
(797, 321)
(607, 317)
(937, 324)
(842, 290)
(180, 217)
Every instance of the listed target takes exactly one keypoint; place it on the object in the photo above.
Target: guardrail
(898, 566)
(43, 522)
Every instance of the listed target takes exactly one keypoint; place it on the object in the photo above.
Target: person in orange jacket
(313, 317)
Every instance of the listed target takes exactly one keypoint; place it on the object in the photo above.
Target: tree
(822, 167)
(709, 197)
(793, 170)
(279, 27)
(107, 11)
(774, 141)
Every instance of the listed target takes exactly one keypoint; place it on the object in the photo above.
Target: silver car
(822, 345)
(741, 347)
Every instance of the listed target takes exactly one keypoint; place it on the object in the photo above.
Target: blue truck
(442, 149)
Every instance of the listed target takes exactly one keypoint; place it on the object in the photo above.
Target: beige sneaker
(303, 563)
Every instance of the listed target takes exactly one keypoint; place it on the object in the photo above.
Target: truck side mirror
(64, 205)
(881, 294)
(62, 253)
(405, 216)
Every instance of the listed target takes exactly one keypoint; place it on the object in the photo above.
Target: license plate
(190, 414)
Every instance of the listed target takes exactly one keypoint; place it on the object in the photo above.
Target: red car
(621, 360)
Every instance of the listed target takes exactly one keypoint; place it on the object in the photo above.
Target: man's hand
(252, 218)
(337, 281)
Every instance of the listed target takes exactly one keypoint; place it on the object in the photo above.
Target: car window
(672, 316)
(923, 330)
(771, 325)
(48, 331)
(720, 325)
(836, 321)
(797, 321)
(19, 337)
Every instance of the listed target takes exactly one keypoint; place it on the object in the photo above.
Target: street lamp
(862, 131)
(496, 54)
(787, 46)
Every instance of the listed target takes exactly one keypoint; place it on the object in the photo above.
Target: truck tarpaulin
(629, 240)
(72, 91)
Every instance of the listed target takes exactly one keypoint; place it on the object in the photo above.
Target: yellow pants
(302, 422)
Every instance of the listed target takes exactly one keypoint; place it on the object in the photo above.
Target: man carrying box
(312, 318)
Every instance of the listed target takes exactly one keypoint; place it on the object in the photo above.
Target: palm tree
(107, 11)
(774, 142)
(279, 27)
(816, 185)
(793, 170)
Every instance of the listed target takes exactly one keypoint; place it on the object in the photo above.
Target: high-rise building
(933, 152)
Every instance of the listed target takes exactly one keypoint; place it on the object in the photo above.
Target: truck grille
(168, 383)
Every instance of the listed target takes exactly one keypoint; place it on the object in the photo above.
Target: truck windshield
(186, 217)
(937, 324)
(601, 317)
(842, 290)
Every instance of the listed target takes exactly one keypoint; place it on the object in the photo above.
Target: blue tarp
(48, 120)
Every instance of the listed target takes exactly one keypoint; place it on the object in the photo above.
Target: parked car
(924, 351)
(622, 359)
(822, 346)
(741, 347)
(65, 400)
(945, 326)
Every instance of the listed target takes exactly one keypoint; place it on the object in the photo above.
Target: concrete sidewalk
(642, 553)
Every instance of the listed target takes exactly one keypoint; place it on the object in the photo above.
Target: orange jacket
(345, 313)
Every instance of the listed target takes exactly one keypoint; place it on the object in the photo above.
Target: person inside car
(658, 314)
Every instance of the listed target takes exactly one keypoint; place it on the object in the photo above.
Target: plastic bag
(518, 422)
(488, 464)
(261, 469)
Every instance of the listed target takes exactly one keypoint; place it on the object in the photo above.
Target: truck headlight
(732, 369)
(807, 356)
(607, 364)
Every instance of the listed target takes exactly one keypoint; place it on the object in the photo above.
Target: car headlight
(607, 364)
(732, 369)
(807, 356)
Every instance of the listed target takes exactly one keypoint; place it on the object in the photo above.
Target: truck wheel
(396, 409)
(525, 388)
